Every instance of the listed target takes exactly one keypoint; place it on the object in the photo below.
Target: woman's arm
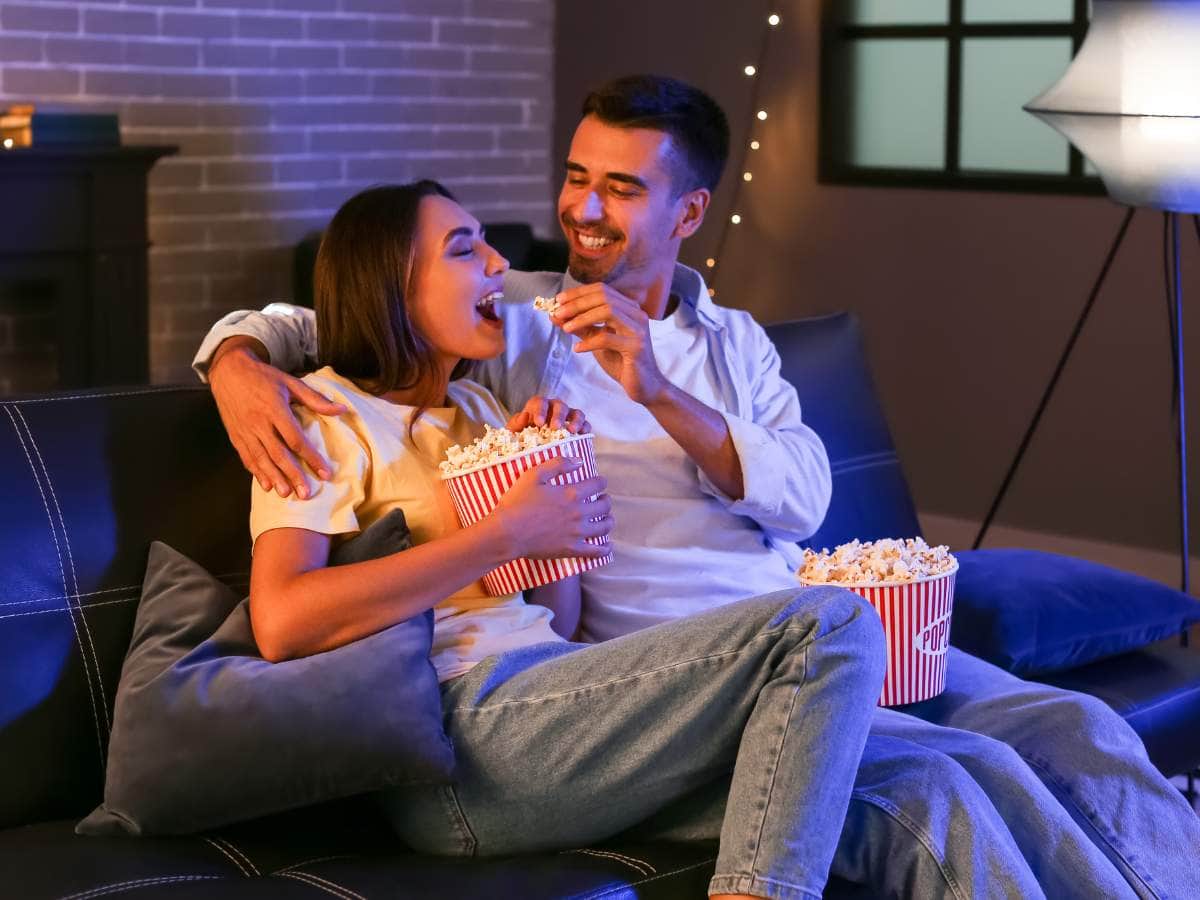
(299, 606)
(563, 599)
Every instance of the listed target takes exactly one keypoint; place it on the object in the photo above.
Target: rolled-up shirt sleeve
(786, 480)
(288, 332)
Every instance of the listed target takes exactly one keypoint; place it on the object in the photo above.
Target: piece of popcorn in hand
(546, 304)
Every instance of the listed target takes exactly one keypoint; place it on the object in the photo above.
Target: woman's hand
(542, 518)
(549, 411)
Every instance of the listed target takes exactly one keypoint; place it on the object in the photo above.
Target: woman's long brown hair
(362, 278)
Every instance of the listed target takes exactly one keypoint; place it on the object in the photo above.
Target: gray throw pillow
(206, 732)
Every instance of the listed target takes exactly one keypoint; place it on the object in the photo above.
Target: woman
(558, 744)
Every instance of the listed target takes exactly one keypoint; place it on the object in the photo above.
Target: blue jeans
(1090, 761)
(562, 745)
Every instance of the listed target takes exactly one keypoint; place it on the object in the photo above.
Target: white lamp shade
(1130, 101)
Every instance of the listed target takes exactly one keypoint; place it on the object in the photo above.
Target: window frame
(831, 168)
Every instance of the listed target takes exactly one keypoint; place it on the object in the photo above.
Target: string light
(750, 70)
(8, 143)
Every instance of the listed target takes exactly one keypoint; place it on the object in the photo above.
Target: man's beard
(591, 271)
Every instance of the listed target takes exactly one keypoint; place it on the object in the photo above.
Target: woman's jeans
(564, 745)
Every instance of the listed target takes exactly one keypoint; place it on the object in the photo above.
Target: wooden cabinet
(73, 261)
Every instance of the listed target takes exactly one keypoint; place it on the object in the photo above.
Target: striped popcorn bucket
(916, 623)
(477, 491)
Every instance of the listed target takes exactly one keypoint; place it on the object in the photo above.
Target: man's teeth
(594, 243)
(493, 297)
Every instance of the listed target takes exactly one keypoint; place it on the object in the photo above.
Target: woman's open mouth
(486, 307)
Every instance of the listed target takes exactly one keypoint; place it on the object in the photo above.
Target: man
(1010, 788)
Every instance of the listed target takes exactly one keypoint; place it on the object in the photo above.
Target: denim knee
(834, 608)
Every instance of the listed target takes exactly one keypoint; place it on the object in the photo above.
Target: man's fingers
(557, 414)
(314, 400)
(537, 407)
(605, 340)
(576, 422)
(598, 317)
(519, 421)
(294, 439)
(265, 465)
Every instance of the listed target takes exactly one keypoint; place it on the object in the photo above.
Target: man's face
(618, 206)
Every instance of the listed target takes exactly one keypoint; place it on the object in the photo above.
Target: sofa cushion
(1033, 613)
(206, 732)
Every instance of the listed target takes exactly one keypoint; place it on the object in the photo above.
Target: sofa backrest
(823, 358)
(87, 481)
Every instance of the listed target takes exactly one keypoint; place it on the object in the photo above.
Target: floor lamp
(1130, 103)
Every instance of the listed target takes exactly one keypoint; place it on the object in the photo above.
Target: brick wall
(282, 109)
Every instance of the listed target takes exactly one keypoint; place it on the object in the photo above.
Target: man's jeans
(1024, 790)
(1089, 759)
(563, 745)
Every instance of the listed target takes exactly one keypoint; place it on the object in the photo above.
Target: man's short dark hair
(695, 121)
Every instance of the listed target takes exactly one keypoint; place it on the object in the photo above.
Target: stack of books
(21, 126)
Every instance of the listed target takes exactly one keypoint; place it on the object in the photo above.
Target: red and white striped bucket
(916, 622)
(477, 491)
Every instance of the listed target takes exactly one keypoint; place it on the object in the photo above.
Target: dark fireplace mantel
(73, 248)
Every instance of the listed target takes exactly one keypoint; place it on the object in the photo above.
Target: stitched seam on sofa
(762, 824)
(912, 828)
(866, 461)
(1063, 791)
(58, 550)
(632, 677)
(632, 860)
(137, 883)
(62, 521)
(126, 587)
(1174, 698)
(613, 856)
(322, 885)
(608, 892)
(229, 856)
(244, 858)
(162, 390)
(313, 862)
(63, 609)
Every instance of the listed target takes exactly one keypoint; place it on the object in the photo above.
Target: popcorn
(876, 562)
(546, 304)
(498, 444)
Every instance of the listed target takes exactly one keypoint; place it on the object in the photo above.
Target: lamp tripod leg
(1176, 288)
(1054, 379)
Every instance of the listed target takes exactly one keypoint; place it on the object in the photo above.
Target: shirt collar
(686, 284)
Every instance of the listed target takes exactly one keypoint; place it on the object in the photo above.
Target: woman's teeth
(594, 243)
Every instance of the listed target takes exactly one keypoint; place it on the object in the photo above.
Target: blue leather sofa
(88, 480)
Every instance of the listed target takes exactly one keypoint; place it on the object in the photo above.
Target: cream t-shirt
(376, 468)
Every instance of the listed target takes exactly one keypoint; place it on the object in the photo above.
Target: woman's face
(456, 282)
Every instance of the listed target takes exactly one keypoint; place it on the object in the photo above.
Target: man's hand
(254, 400)
(542, 411)
(617, 330)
